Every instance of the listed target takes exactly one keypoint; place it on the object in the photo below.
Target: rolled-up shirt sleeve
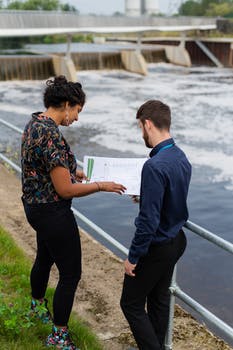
(148, 219)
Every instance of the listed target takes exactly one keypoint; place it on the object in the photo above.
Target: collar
(162, 144)
(40, 117)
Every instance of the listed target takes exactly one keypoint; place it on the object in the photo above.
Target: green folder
(90, 165)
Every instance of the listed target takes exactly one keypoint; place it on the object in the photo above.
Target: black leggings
(58, 242)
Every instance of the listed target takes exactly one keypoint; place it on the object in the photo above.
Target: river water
(202, 105)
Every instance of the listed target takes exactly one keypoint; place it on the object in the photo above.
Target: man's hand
(136, 199)
(129, 268)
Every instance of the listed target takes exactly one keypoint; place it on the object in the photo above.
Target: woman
(49, 182)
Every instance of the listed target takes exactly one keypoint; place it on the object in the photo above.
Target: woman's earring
(67, 119)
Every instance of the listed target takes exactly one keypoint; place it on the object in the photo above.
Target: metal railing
(48, 19)
(175, 290)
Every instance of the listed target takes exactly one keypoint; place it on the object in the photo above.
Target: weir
(213, 51)
(39, 23)
(25, 67)
(97, 60)
(153, 50)
(32, 67)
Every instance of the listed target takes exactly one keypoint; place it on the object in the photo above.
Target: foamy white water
(201, 103)
(200, 99)
(202, 112)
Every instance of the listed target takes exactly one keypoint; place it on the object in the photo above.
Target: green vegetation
(213, 8)
(11, 43)
(17, 331)
(42, 5)
(56, 39)
(19, 43)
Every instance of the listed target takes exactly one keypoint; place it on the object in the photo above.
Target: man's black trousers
(151, 286)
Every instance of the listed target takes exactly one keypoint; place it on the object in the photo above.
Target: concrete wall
(133, 61)
(65, 66)
(178, 55)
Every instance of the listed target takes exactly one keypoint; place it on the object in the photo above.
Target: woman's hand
(80, 176)
(66, 189)
(108, 186)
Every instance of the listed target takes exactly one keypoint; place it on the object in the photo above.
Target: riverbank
(97, 298)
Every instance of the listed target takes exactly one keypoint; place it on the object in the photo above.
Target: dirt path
(98, 295)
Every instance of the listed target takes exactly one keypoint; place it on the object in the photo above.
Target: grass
(17, 331)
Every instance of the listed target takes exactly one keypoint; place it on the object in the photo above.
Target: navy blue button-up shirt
(163, 198)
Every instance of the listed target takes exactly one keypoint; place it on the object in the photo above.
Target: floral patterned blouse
(43, 148)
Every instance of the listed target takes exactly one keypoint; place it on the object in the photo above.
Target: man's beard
(146, 139)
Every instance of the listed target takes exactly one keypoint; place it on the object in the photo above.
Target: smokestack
(150, 7)
(133, 7)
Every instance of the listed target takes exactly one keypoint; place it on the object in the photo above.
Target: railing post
(68, 49)
(139, 43)
(168, 339)
(182, 40)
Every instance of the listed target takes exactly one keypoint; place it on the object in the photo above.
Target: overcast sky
(111, 6)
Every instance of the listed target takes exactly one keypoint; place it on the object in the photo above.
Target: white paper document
(126, 171)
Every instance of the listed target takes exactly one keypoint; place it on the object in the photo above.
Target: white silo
(133, 7)
(150, 7)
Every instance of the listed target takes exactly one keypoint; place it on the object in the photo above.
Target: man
(159, 240)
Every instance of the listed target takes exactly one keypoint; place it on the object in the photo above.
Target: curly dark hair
(59, 90)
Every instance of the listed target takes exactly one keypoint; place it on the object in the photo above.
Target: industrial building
(141, 7)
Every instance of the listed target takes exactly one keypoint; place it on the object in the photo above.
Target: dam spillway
(25, 67)
(39, 67)
(104, 56)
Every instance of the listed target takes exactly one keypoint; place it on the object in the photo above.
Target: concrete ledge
(65, 66)
(133, 61)
(178, 55)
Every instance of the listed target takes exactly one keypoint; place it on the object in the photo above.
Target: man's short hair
(156, 111)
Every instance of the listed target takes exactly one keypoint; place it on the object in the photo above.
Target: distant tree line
(43, 5)
(213, 8)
